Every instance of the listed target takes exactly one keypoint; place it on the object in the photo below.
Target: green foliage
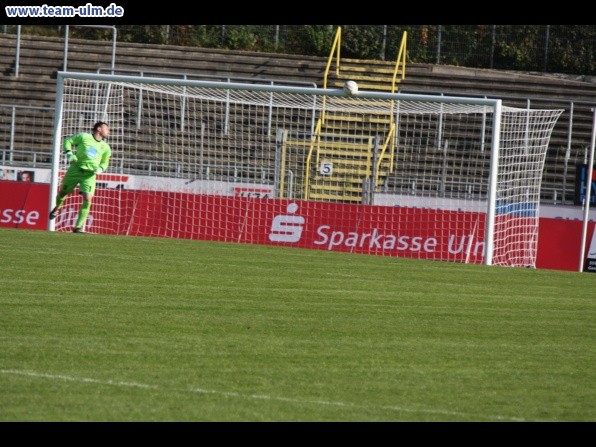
(310, 40)
(206, 36)
(517, 47)
(421, 43)
(151, 34)
(236, 37)
(572, 49)
(362, 41)
(36, 30)
(319, 39)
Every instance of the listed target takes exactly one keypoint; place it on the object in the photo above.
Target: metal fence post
(13, 118)
(64, 68)
(384, 42)
(18, 52)
(568, 151)
(114, 46)
(492, 46)
(546, 47)
(438, 44)
(276, 37)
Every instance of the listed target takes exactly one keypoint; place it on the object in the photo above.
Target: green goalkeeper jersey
(91, 154)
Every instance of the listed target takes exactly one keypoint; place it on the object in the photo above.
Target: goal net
(429, 177)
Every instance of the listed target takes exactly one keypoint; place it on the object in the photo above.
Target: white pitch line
(248, 396)
(76, 379)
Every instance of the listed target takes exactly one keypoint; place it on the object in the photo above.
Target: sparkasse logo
(287, 227)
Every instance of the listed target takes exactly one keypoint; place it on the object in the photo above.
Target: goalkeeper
(92, 157)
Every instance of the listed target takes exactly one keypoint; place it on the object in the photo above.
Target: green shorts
(76, 176)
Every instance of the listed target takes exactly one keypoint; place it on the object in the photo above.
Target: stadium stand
(40, 58)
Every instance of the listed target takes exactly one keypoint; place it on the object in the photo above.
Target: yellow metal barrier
(401, 60)
(335, 48)
(382, 154)
(400, 63)
(316, 139)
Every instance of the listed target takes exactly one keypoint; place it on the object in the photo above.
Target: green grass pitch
(110, 328)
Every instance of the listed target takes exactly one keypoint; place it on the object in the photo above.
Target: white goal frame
(181, 87)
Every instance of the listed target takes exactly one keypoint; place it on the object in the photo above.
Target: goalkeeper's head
(101, 130)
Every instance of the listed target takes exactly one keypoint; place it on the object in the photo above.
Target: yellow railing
(401, 60)
(335, 48)
(315, 141)
(316, 138)
(383, 150)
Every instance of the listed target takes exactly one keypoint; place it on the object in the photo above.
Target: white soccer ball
(351, 87)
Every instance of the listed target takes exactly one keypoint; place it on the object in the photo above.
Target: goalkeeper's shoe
(53, 214)
(77, 230)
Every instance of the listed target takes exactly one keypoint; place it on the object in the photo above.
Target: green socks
(83, 212)
(59, 201)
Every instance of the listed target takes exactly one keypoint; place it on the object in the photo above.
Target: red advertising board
(24, 205)
(559, 243)
(377, 230)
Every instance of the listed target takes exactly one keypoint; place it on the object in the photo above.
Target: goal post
(423, 176)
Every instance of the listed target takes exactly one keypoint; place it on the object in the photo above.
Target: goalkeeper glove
(98, 171)
(71, 157)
